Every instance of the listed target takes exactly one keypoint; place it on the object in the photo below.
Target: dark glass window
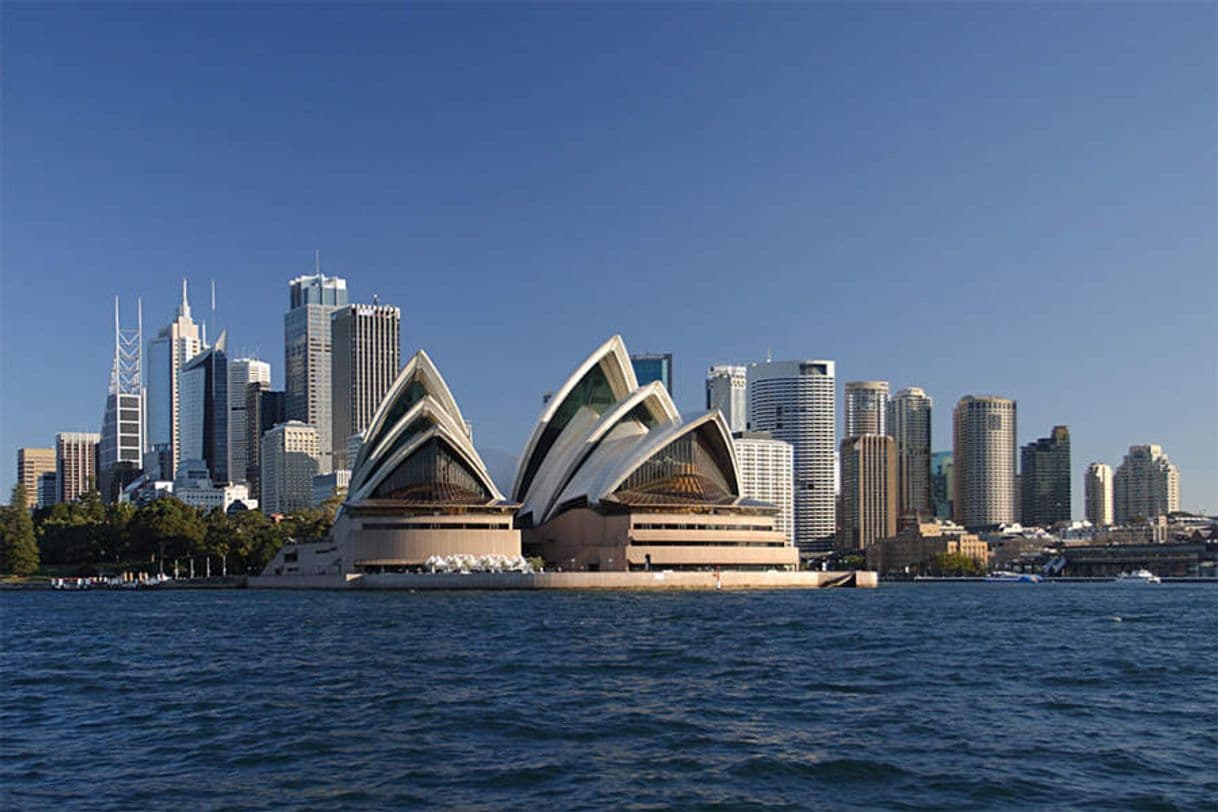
(434, 473)
(694, 468)
(417, 426)
(593, 391)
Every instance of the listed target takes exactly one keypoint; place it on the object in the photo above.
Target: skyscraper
(31, 464)
(983, 453)
(264, 409)
(241, 373)
(1044, 480)
(205, 410)
(122, 435)
(75, 463)
(794, 401)
(866, 407)
(48, 489)
(767, 469)
(869, 498)
(942, 481)
(652, 366)
(727, 391)
(909, 426)
(1145, 485)
(1097, 488)
(289, 463)
(367, 355)
(175, 344)
(307, 354)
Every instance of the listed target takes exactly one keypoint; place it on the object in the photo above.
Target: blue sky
(979, 198)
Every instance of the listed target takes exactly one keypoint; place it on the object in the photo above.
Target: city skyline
(477, 266)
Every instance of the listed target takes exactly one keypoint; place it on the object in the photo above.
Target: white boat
(1005, 577)
(1138, 577)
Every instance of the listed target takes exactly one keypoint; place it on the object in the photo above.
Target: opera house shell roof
(417, 449)
(418, 490)
(602, 438)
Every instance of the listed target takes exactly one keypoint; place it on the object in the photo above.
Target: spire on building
(184, 307)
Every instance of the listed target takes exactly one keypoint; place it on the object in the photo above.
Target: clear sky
(973, 198)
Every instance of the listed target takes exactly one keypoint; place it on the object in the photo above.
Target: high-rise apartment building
(75, 463)
(366, 358)
(983, 455)
(205, 410)
(123, 437)
(1097, 489)
(308, 353)
(942, 480)
(653, 366)
(866, 407)
(31, 464)
(767, 470)
(727, 390)
(241, 373)
(48, 489)
(1044, 480)
(175, 344)
(1146, 484)
(794, 402)
(909, 413)
(869, 494)
(289, 463)
(264, 409)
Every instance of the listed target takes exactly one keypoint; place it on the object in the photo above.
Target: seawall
(807, 579)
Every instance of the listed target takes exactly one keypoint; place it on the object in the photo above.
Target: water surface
(951, 696)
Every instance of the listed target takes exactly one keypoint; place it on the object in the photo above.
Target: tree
(18, 547)
(167, 529)
(954, 564)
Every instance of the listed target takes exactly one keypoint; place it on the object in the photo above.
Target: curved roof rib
(605, 377)
(650, 406)
(422, 415)
(614, 461)
(417, 378)
(460, 449)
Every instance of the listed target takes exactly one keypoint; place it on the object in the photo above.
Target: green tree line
(93, 537)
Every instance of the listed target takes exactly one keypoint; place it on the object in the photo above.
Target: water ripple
(907, 697)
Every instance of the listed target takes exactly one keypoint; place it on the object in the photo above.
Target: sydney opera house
(418, 489)
(612, 479)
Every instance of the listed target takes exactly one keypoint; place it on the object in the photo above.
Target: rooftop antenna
(376, 300)
(769, 355)
(317, 261)
(213, 307)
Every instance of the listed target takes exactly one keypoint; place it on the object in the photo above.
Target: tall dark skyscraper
(264, 409)
(650, 367)
(1045, 479)
(204, 399)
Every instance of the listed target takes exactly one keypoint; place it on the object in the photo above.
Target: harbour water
(951, 696)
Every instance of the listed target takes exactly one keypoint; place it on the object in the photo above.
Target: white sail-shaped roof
(606, 469)
(422, 415)
(605, 377)
(417, 378)
(419, 415)
(650, 406)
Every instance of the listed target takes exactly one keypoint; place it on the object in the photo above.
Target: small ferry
(1138, 577)
(1006, 577)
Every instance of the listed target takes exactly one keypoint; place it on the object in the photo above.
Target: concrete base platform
(575, 580)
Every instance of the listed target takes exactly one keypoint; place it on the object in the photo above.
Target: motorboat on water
(1139, 577)
(1006, 577)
